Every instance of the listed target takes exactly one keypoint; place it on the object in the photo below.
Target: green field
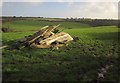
(79, 61)
(25, 25)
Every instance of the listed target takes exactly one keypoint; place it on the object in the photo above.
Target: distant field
(80, 61)
(25, 25)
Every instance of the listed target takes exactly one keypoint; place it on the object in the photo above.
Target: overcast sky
(87, 9)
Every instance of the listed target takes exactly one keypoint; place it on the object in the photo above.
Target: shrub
(4, 29)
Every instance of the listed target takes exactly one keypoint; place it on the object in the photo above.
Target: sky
(61, 8)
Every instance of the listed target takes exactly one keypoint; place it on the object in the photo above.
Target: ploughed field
(94, 57)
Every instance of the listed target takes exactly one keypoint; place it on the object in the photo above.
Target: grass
(29, 25)
(79, 61)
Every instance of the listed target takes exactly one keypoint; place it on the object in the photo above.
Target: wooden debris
(47, 37)
(2, 47)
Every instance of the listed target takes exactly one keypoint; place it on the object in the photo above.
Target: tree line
(96, 22)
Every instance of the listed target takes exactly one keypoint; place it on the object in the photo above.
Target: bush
(4, 29)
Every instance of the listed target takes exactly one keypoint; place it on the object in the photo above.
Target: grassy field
(83, 60)
(30, 25)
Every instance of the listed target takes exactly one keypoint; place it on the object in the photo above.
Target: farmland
(81, 60)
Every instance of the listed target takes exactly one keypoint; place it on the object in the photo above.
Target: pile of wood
(47, 37)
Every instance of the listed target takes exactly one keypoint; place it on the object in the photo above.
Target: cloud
(67, 0)
(0, 3)
(94, 10)
(33, 0)
(87, 0)
(60, 0)
(23, 1)
(0, 8)
(101, 0)
(85, 9)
